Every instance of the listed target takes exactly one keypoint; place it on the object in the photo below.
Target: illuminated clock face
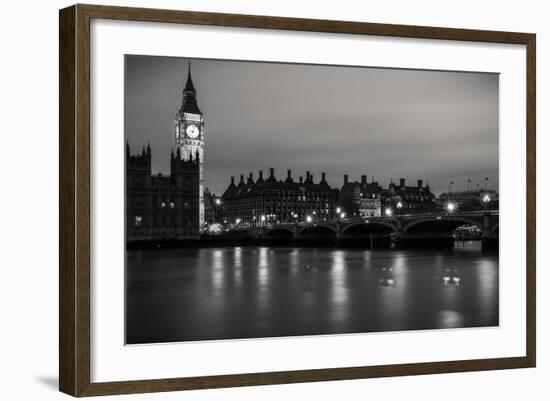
(192, 131)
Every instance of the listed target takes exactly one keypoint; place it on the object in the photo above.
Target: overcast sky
(386, 123)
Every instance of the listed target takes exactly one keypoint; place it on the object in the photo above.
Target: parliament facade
(161, 207)
(169, 207)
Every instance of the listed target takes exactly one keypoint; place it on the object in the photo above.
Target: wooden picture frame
(74, 203)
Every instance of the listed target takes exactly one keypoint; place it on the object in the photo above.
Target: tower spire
(189, 87)
(189, 100)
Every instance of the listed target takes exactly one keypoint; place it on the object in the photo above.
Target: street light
(388, 212)
(218, 202)
(451, 207)
(486, 198)
(308, 219)
(338, 210)
(342, 215)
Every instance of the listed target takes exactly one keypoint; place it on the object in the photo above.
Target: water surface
(249, 292)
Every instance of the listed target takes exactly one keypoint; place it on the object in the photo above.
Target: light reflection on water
(247, 292)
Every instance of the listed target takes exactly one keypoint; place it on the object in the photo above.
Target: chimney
(260, 175)
(323, 176)
(232, 180)
(419, 183)
(301, 180)
(346, 179)
(363, 179)
(271, 172)
(289, 179)
(250, 179)
(402, 182)
(242, 179)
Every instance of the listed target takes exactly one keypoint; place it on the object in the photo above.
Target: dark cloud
(387, 123)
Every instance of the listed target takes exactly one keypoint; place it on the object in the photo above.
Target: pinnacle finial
(189, 87)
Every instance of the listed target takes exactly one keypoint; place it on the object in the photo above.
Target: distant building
(403, 199)
(160, 207)
(472, 200)
(361, 198)
(213, 209)
(271, 201)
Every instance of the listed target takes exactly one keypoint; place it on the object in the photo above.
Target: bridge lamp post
(486, 200)
(218, 202)
(338, 210)
(263, 219)
(399, 206)
(451, 207)
(309, 219)
(388, 212)
(342, 215)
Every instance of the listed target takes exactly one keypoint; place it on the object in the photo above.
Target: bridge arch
(317, 230)
(279, 233)
(375, 226)
(447, 223)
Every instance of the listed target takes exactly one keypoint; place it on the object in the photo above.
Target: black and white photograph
(268, 199)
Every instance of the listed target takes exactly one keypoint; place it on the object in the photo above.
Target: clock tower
(189, 136)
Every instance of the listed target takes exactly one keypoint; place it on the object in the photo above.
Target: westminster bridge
(407, 230)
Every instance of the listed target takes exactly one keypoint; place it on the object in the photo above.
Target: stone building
(213, 209)
(361, 198)
(189, 135)
(403, 199)
(254, 203)
(470, 200)
(161, 207)
(169, 207)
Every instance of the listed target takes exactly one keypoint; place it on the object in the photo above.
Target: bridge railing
(356, 219)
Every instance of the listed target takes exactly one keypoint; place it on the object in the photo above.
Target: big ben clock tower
(189, 135)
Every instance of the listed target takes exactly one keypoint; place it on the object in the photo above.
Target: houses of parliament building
(177, 206)
(169, 207)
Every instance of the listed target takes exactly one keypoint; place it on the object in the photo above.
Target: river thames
(249, 292)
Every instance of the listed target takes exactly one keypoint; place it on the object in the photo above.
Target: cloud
(431, 125)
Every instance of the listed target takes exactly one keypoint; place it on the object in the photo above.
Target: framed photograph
(250, 200)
